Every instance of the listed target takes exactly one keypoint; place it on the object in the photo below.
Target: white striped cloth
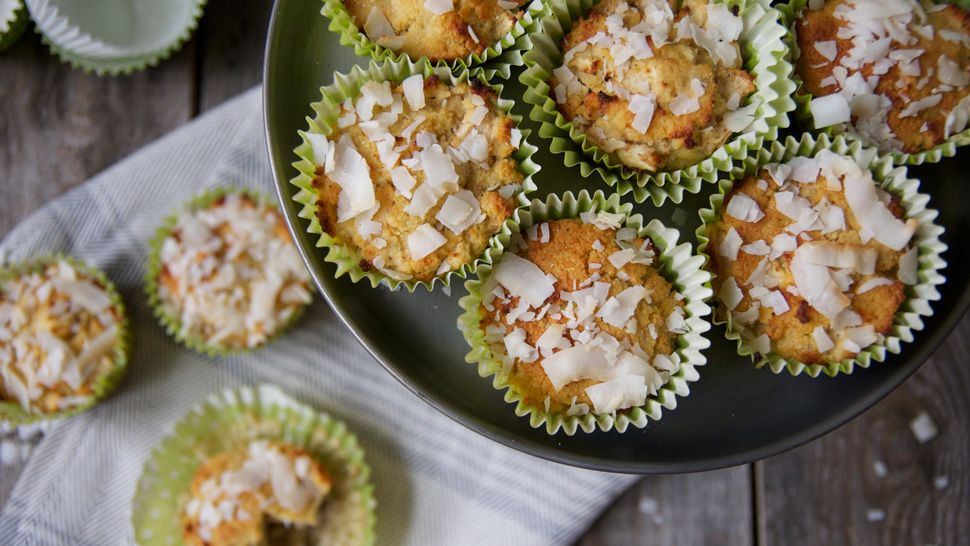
(435, 481)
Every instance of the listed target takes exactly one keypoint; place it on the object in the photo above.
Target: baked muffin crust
(238, 495)
(409, 224)
(638, 82)
(900, 68)
(59, 331)
(608, 320)
(438, 29)
(824, 285)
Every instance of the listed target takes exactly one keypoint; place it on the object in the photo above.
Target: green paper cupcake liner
(765, 57)
(231, 420)
(327, 110)
(791, 11)
(909, 317)
(13, 22)
(677, 263)
(125, 65)
(173, 325)
(495, 60)
(13, 413)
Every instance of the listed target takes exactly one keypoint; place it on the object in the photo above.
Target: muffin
(581, 318)
(416, 176)
(224, 274)
(441, 30)
(62, 337)
(656, 86)
(811, 259)
(238, 496)
(252, 466)
(897, 72)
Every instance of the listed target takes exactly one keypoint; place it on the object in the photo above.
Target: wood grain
(687, 509)
(231, 52)
(61, 126)
(823, 493)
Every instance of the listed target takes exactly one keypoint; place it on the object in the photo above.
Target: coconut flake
(909, 267)
(822, 340)
(923, 427)
(873, 215)
(413, 87)
(830, 110)
(643, 107)
(616, 394)
(744, 208)
(352, 174)
(827, 49)
(460, 211)
(524, 279)
(620, 308)
(424, 240)
(438, 7)
(730, 294)
(874, 282)
(730, 245)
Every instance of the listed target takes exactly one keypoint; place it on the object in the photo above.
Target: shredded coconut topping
(827, 254)
(58, 334)
(267, 479)
(230, 274)
(581, 339)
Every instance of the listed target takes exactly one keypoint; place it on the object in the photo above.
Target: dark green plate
(734, 414)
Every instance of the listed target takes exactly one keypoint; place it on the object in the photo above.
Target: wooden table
(58, 127)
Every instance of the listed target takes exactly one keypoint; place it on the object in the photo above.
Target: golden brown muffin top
(810, 258)
(659, 88)
(230, 273)
(438, 29)
(900, 69)
(417, 176)
(236, 494)
(58, 334)
(581, 317)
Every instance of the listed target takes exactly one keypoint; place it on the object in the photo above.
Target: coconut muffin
(811, 259)
(228, 275)
(60, 333)
(437, 29)
(657, 87)
(897, 70)
(417, 176)
(242, 497)
(581, 318)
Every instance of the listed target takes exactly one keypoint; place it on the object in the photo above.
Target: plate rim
(922, 353)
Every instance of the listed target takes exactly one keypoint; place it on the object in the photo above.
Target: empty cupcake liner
(11, 412)
(676, 262)
(326, 112)
(765, 56)
(231, 420)
(909, 317)
(115, 36)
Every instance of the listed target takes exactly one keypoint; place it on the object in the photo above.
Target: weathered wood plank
(830, 491)
(60, 126)
(706, 508)
(231, 49)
